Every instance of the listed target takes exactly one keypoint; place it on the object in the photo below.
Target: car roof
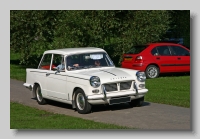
(164, 43)
(68, 51)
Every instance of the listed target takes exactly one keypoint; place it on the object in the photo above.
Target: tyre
(82, 105)
(152, 71)
(137, 102)
(39, 97)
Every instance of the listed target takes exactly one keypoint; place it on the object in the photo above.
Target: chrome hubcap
(152, 72)
(80, 100)
(39, 94)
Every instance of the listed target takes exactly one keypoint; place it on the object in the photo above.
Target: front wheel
(39, 96)
(82, 105)
(152, 71)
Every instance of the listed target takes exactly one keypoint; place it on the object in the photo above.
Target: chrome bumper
(29, 86)
(106, 95)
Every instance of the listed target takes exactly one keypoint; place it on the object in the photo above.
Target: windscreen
(137, 49)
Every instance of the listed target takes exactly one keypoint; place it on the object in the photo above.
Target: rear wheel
(39, 96)
(152, 71)
(82, 105)
(137, 102)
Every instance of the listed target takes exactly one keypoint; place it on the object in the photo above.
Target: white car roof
(68, 51)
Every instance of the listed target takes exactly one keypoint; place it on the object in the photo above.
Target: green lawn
(169, 90)
(24, 117)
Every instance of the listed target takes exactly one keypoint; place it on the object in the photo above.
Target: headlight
(95, 81)
(141, 76)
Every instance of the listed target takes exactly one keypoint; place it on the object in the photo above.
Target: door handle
(47, 74)
(179, 58)
(158, 58)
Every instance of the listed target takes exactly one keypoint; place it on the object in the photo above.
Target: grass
(17, 71)
(169, 90)
(24, 117)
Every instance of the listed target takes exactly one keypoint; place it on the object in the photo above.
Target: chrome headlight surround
(95, 81)
(141, 77)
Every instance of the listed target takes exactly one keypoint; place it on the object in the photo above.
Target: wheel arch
(73, 96)
(34, 87)
(153, 64)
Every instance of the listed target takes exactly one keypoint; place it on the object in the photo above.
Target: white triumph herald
(84, 77)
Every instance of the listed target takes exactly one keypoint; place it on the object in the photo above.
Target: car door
(56, 81)
(42, 71)
(164, 58)
(182, 56)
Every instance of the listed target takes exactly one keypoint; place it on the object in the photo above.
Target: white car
(88, 78)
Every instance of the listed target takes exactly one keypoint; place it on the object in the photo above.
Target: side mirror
(57, 70)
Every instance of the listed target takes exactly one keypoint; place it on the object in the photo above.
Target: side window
(154, 52)
(163, 50)
(179, 51)
(73, 59)
(46, 62)
(57, 60)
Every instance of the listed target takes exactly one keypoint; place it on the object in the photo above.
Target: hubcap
(39, 94)
(152, 72)
(80, 100)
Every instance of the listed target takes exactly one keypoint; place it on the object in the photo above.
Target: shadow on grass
(31, 62)
(15, 62)
(21, 66)
(174, 74)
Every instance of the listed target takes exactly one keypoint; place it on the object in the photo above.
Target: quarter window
(46, 62)
(154, 52)
(57, 60)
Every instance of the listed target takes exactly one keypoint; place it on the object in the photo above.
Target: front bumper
(105, 97)
(29, 86)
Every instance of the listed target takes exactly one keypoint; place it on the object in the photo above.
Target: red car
(156, 58)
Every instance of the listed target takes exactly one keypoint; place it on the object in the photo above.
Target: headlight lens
(95, 81)
(141, 76)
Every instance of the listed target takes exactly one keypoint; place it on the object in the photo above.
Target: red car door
(182, 58)
(165, 60)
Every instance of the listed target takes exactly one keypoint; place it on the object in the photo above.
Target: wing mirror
(57, 70)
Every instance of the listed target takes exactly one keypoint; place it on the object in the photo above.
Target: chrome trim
(118, 85)
(29, 86)
(104, 92)
(136, 89)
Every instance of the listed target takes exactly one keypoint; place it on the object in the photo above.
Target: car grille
(111, 87)
(125, 85)
(122, 86)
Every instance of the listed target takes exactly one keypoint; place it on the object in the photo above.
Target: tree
(180, 26)
(31, 33)
(116, 31)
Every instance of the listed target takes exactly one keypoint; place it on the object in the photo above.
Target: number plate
(128, 59)
(119, 100)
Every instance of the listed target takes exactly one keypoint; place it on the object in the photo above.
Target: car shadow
(96, 108)
(59, 104)
(174, 74)
(116, 107)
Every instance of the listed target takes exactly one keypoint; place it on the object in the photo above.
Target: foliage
(180, 26)
(31, 33)
(116, 31)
